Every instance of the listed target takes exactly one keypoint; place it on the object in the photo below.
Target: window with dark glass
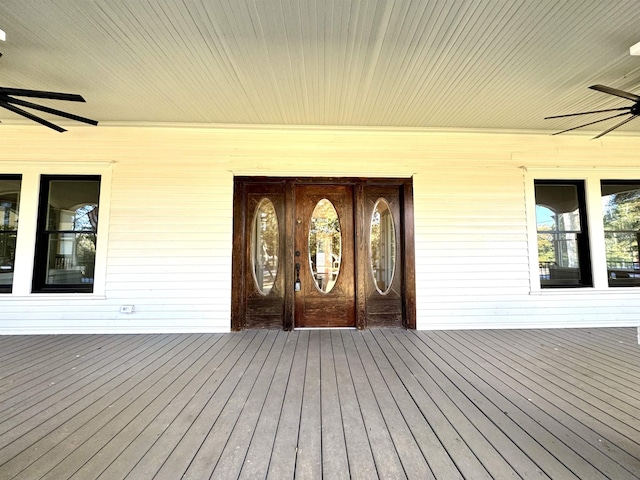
(621, 218)
(9, 201)
(563, 243)
(66, 235)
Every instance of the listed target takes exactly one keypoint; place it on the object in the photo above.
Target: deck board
(462, 420)
(124, 449)
(335, 464)
(605, 367)
(359, 455)
(78, 429)
(584, 446)
(450, 456)
(261, 444)
(38, 425)
(226, 444)
(236, 449)
(18, 353)
(580, 367)
(537, 443)
(26, 372)
(61, 381)
(592, 401)
(386, 458)
(556, 403)
(282, 464)
(551, 389)
(333, 404)
(309, 450)
(383, 379)
(177, 447)
(119, 429)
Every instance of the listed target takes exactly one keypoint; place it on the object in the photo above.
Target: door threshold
(325, 328)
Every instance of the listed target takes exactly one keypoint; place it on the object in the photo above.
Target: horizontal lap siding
(170, 220)
(471, 234)
(170, 240)
(472, 252)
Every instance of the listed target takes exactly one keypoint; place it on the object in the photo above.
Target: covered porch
(381, 403)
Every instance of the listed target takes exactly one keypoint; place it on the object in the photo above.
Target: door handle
(297, 286)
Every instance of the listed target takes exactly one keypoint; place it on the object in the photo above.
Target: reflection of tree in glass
(621, 224)
(86, 218)
(269, 227)
(86, 252)
(556, 224)
(324, 222)
(375, 237)
(546, 250)
(622, 211)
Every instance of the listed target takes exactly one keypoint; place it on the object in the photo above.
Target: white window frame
(28, 221)
(593, 200)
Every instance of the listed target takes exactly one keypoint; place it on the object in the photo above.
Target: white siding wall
(166, 226)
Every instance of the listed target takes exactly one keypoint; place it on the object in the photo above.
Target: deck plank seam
(50, 441)
(595, 446)
(121, 461)
(563, 397)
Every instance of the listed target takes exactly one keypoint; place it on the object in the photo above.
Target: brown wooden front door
(324, 256)
(311, 253)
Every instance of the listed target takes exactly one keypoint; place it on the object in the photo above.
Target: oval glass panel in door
(325, 245)
(264, 246)
(382, 246)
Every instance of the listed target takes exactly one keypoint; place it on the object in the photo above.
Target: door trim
(241, 238)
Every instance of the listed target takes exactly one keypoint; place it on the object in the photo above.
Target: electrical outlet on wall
(127, 308)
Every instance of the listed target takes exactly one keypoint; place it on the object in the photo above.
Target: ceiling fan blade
(592, 111)
(30, 116)
(42, 108)
(616, 92)
(591, 123)
(615, 126)
(21, 92)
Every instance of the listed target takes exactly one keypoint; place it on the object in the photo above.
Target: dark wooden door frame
(241, 238)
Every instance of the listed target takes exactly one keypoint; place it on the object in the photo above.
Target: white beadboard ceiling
(486, 64)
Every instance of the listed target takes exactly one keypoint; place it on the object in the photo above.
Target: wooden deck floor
(333, 404)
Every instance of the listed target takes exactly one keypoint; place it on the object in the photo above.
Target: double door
(313, 253)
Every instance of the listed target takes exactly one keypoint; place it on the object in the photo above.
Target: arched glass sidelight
(382, 246)
(264, 246)
(325, 245)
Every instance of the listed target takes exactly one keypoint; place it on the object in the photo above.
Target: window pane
(557, 208)
(325, 244)
(382, 246)
(563, 251)
(67, 229)
(71, 258)
(73, 206)
(558, 258)
(265, 244)
(9, 202)
(621, 218)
